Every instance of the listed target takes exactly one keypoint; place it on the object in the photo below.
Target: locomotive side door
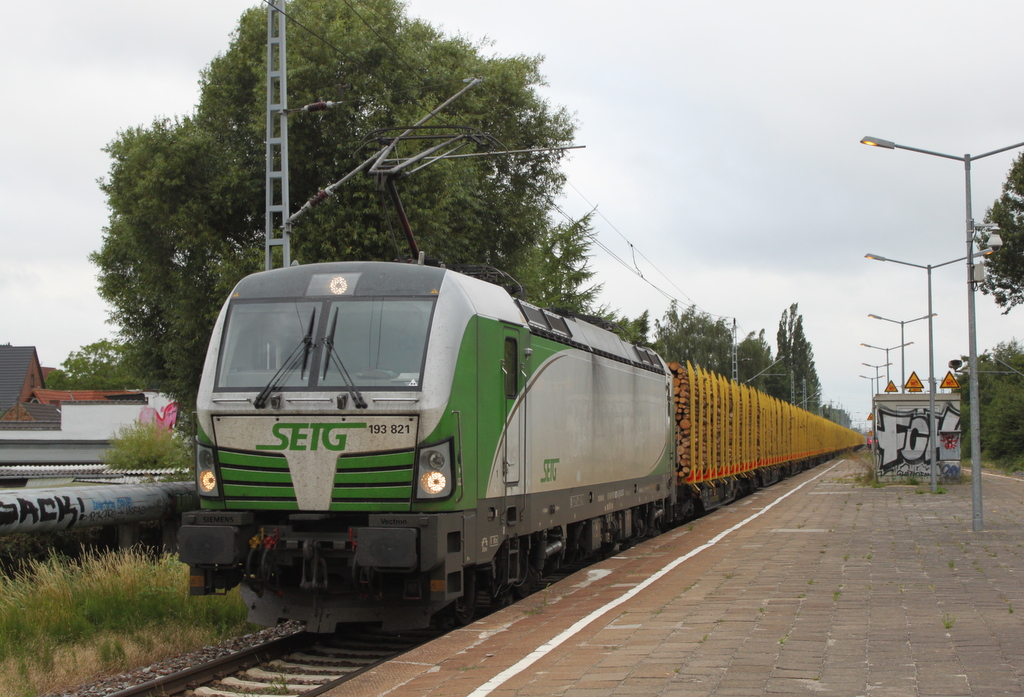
(514, 456)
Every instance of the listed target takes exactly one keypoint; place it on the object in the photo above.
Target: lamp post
(868, 377)
(887, 350)
(871, 411)
(903, 354)
(932, 419)
(878, 368)
(977, 523)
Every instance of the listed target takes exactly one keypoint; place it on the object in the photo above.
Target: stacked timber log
(681, 391)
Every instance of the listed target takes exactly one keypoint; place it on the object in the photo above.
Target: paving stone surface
(838, 589)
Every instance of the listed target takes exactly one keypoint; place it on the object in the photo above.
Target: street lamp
(977, 519)
(903, 354)
(871, 411)
(887, 350)
(868, 377)
(932, 419)
(878, 368)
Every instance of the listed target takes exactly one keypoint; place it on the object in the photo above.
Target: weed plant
(66, 622)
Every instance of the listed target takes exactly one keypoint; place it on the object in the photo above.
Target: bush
(149, 446)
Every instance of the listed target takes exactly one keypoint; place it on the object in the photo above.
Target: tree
(695, 336)
(557, 268)
(187, 194)
(754, 357)
(1005, 277)
(98, 366)
(1001, 405)
(635, 330)
(799, 383)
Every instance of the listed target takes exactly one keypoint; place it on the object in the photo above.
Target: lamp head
(878, 142)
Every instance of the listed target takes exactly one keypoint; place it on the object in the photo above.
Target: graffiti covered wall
(902, 431)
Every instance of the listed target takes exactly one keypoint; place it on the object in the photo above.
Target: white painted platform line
(541, 651)
(1001, 476)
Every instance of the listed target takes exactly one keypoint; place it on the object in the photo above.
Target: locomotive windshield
(259, 339)
(381, 342)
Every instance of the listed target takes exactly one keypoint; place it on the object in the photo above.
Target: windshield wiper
(300, 353)
(357, 398)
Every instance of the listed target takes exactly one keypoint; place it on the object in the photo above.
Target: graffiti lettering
(28, 509)
(904, 437)
(62, 510)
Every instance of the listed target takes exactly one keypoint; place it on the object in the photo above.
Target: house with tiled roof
(20, 373)
(42, 427)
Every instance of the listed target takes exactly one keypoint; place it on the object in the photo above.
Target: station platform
(814, 586)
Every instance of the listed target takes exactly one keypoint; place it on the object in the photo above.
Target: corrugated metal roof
(20, 476)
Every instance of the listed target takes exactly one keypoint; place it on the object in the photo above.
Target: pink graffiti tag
(165, 418)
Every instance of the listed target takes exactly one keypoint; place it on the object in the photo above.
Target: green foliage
(98, 366)
(754, 357)
(695, 336)
(102, 602)
(635, 330)
(1001, 392)
(187, 194)
(148, 446)
(1005, 269)
(17, 549)
(799, 382)
(557, 268)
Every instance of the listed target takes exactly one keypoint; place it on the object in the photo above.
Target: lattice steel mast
(277, 225)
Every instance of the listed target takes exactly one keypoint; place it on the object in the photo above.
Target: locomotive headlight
(207, 480)
(433, 482)
(338, 285)
(206, 471)
(434, 471)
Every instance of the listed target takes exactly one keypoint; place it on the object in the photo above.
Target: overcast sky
(721, 141)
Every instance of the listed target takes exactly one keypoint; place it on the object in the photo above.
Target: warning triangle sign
(913, 383)
(949, 382)
(891, 387)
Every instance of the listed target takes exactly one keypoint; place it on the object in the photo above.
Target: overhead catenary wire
(323, 105)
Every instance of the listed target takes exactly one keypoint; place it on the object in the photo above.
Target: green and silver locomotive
(393, 443)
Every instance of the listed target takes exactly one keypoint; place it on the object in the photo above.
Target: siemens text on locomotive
(393, 443)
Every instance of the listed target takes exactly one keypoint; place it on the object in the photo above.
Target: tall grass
(66, 622)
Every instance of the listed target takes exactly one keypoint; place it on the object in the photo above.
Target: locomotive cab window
(259, 339)
(510, 364)
(381, 342)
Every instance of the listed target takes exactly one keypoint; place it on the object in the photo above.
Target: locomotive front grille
(257, 481)
(374, 482)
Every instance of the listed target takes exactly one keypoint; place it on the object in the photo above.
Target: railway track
(306, 665)
(299, 664)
